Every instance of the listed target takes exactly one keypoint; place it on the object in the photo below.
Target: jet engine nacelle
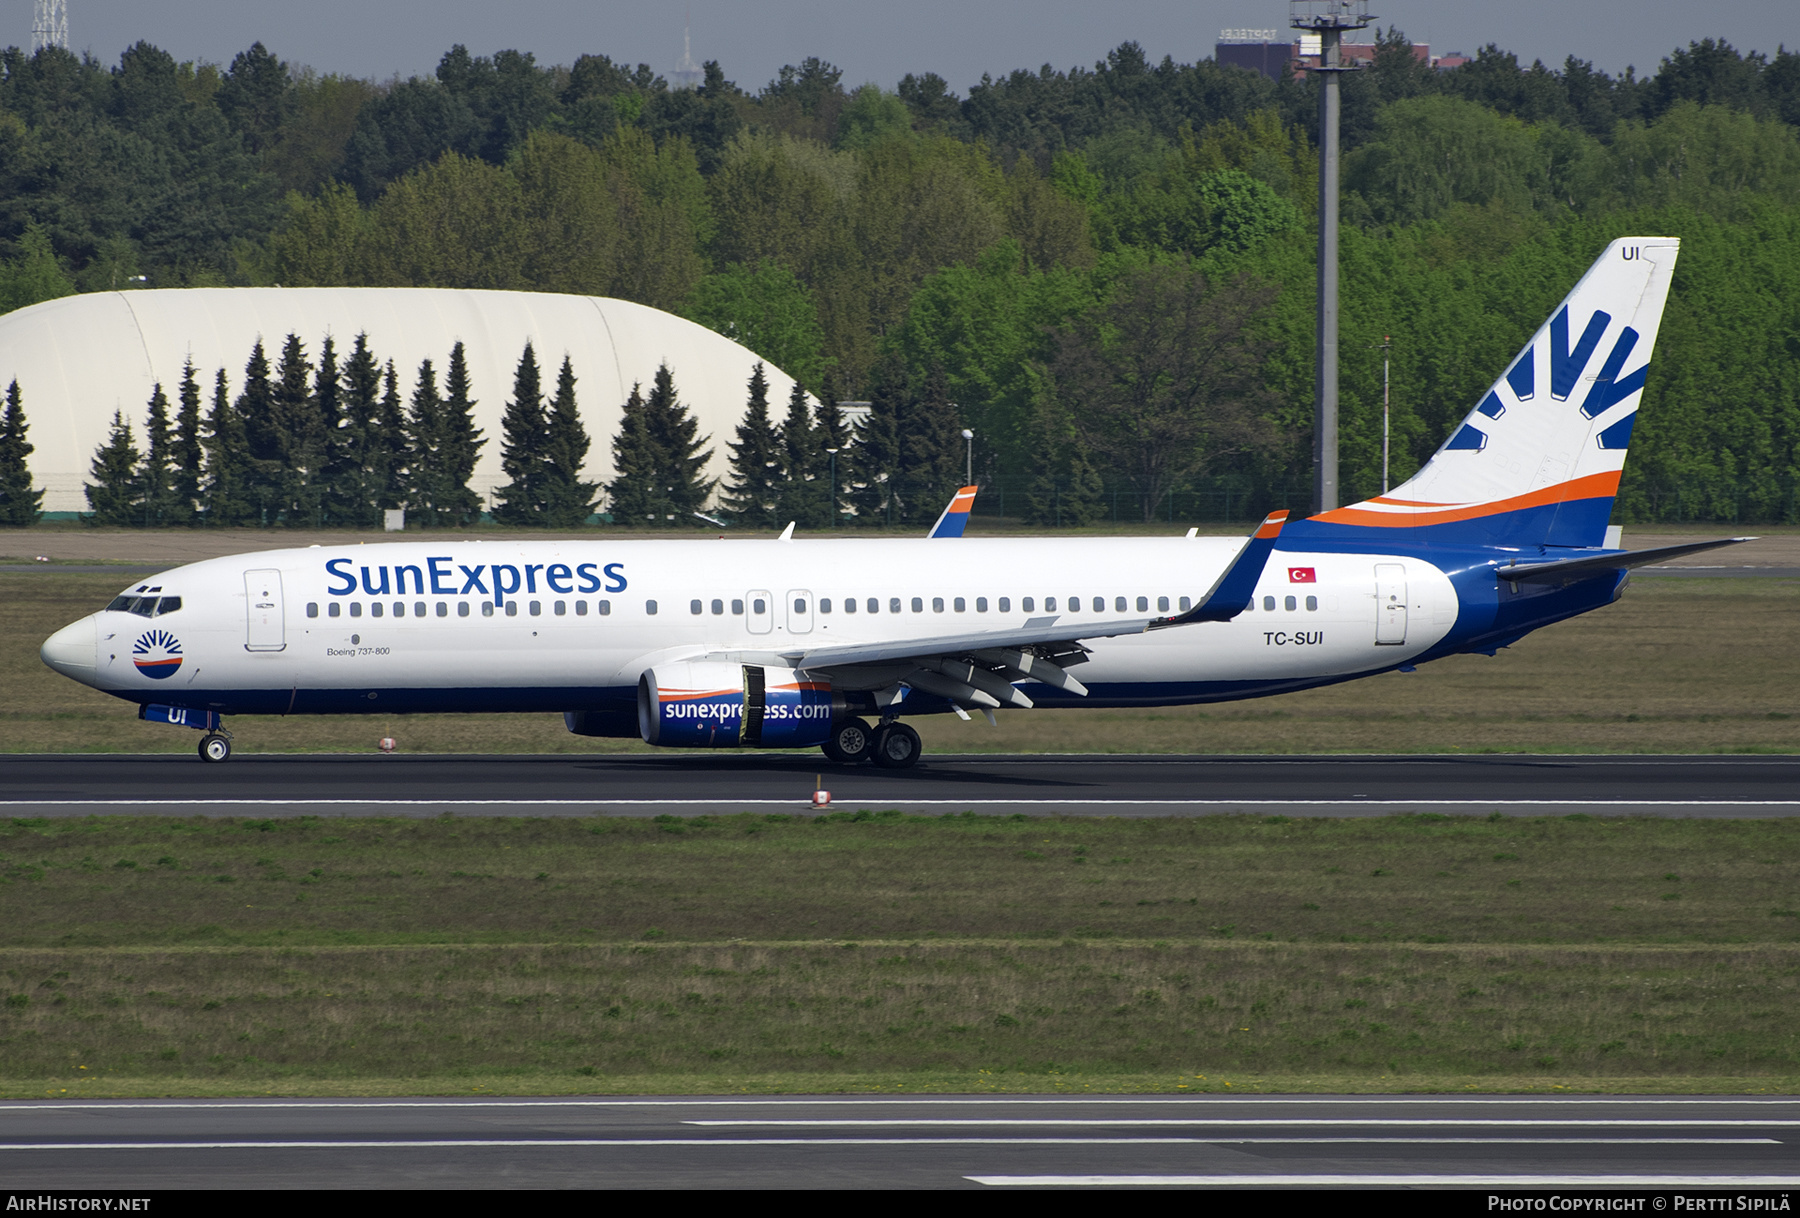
(722, 706)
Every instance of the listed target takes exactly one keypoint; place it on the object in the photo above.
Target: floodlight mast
(49, 25)
(1328, 19)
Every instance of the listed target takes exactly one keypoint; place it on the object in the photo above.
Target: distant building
(80, 358)
(1271, 53)
(1264, 51)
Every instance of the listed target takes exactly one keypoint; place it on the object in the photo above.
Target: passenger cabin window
(603, 608)
(1100, 604)
(1162, 604)
(512, 608)
(937, 604)
(918, 605)
(580, 608)
(487, 608)
(1312, 604)
(374, 608)
(718, 608)
(694, 607)
(537, 608)
(560, 608)
(824, 604)
(1268, 604)
(960, 605)
(419, 609)
(312, 608)
(737, 608)
(981, 604)
(355, 608)
(849, 604)
(1185, 604)
(1290, 604)
(1143, 604)
(1025, 605)
(462, 608)
(333, 609)
(650, 608)
(1049, 604)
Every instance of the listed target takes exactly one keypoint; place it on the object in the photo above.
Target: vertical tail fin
(1537, 462)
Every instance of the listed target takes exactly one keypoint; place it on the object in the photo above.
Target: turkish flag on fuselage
(1302, 575)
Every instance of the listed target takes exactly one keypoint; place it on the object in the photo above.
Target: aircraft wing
(1564, 570)
(979, 668)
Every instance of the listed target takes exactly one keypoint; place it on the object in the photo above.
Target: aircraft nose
(70, 650)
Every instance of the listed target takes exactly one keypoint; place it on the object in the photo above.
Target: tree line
(1000, 245)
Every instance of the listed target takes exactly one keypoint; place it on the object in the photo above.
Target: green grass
(874, 950)
(1688, 666)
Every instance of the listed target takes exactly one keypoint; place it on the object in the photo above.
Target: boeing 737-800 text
(802, 643)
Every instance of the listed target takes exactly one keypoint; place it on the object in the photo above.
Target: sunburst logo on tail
(157, 654)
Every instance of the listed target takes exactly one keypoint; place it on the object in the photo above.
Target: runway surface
(689, 784)
(903, 1142)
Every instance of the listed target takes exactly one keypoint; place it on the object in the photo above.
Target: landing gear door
(267, 621)
(760, 618)
(1390, 602)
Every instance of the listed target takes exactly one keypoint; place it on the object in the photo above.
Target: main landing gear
(892, 746)
(215, 748)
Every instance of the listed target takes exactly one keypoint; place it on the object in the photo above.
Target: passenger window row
(1289, 603)
(1004, 604)
(463, 608)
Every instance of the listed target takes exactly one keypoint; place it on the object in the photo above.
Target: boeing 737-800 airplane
(801, 643)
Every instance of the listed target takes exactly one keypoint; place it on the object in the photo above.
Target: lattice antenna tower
(687, 74)
(49, 24)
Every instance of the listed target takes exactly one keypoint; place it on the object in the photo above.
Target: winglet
(787, 534)
(1231, 594)
(956, 516)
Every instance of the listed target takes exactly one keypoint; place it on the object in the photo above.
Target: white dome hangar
(80, 358)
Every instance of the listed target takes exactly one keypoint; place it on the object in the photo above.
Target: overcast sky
(957, 39)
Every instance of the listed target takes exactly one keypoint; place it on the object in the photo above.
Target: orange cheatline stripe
(1593, 486)
(670, 695)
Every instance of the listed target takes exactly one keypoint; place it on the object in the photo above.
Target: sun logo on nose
(157, 654)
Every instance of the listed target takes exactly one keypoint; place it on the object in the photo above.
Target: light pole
(1385, 346)
(834, 511)
(970, 437)
(1327, 20)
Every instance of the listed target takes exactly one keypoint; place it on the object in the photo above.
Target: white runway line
(901, 799)
(1406, 1181)
(897, 1141)
(910, 1101)
(1240, 1122)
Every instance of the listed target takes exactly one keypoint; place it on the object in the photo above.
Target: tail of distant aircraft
(1537, 462)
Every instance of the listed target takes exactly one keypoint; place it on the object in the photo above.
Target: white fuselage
(510, 625)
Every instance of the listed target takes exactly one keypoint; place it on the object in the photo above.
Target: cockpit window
(145, 606)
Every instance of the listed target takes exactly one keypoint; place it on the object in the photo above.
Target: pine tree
(187, 455)
(424, 438)
(876, 494)
(525, 432)
(568, 501)
(834, 433)
(931, 446)
(390, 448)
(755, 489)
(19, 503)
(803, 465)
(459, 446)
(631, 495)
(351, 488)
(324, 413)
(295, 438)
(261, 461)
(114, 493)
(156, 481)
(227, 493)
(681, 490)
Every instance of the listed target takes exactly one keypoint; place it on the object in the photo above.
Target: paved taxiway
(695, 783)
(894, 1142)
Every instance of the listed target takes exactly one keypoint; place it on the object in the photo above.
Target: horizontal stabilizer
(1565, 570)
(1231, 593)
